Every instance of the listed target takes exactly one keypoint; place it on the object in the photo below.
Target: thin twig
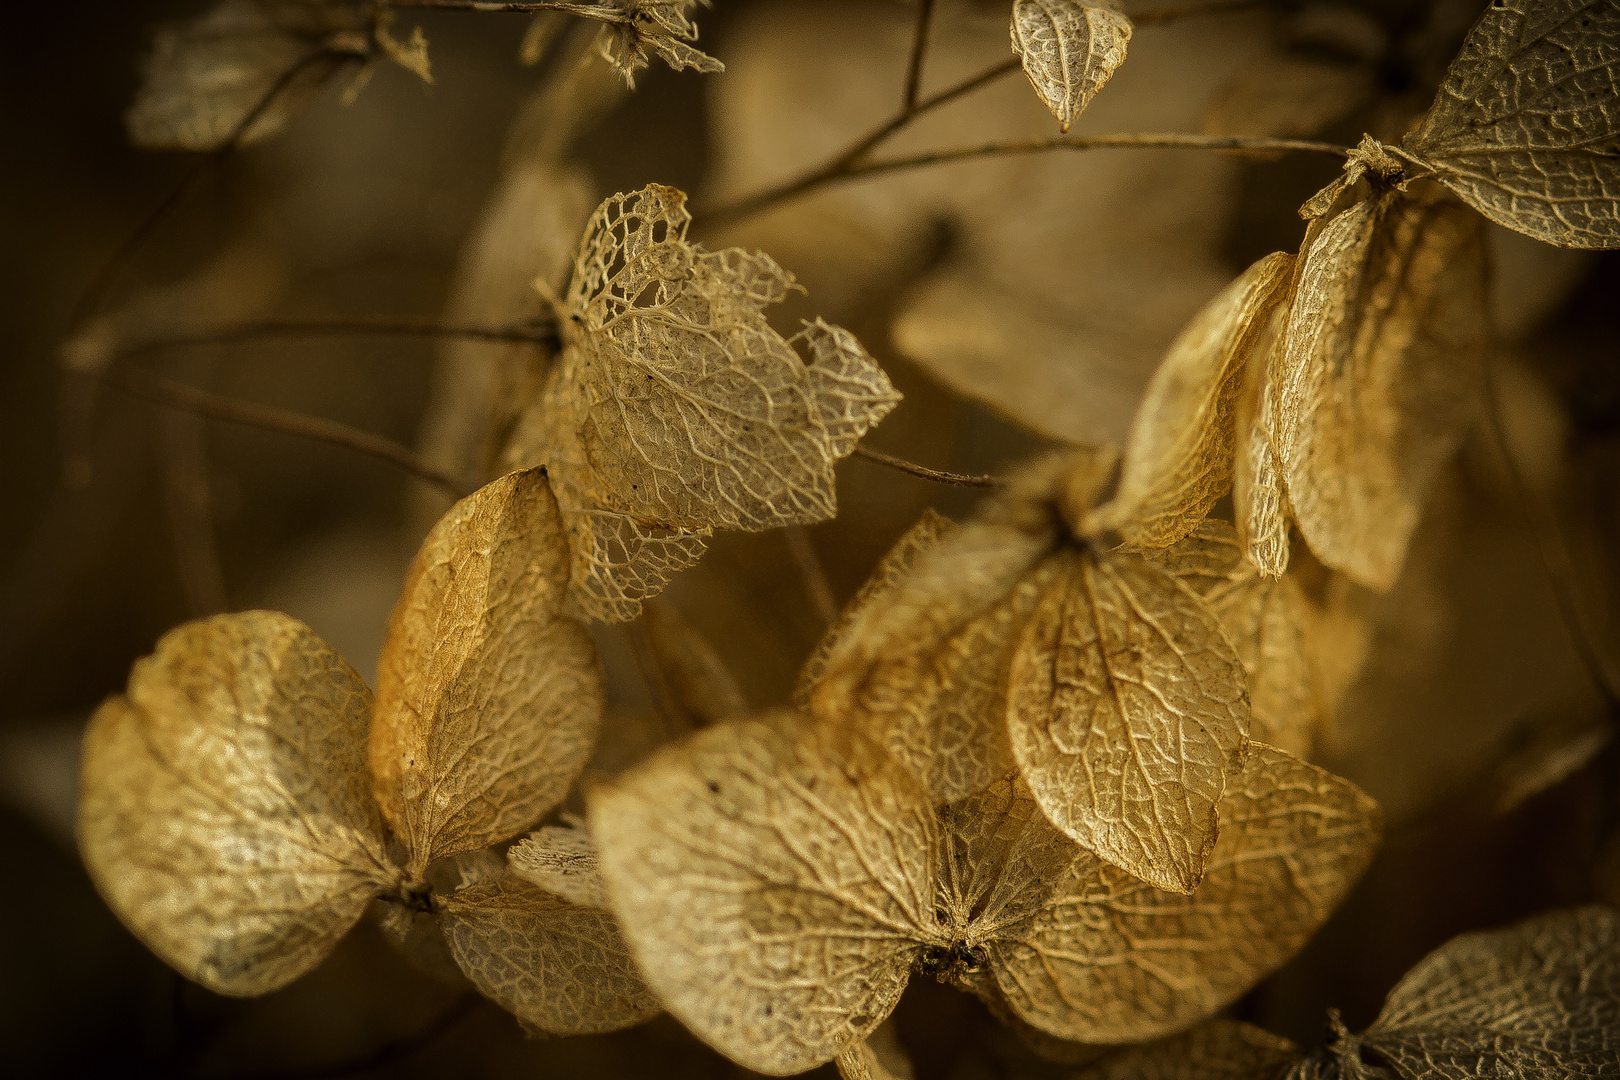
(274, 329)
(914, 65)
(1555, 557)
(939, 477)
(268, 418)
(816, 585)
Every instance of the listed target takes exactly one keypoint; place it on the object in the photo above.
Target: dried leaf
(772, 879)
(1265, 619)
(559, 968)
(1540, 999)
(691, 685)
(488, 702)
(205, 77)
(561, 860)
(1179, 459)
(1376, 378)
(1126, 710)
(411, 54)
(1109, 959)
(677, 409)
(1526, 126)
(879, 1056)
(225, 811)
(1069, 49)
(1214, 1050)
(661, 26)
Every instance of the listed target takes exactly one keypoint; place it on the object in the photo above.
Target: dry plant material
(561, 860)
(1526, 126)
(637, 28)
(1215, 1050)
(1372, 386)
(676, 409)
(1069, 49)
(206, 78)
(780, 879)
(234, 816)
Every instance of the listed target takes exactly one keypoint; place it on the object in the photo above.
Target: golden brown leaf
(879, 1056)
(1126, 709)
(225, 811)
(772, 878)
(561, 860)
(1214, 1050)
(1266, 620)
(1179, 458)
(1375, 381)
(1069, 49)
(559, 968)
(1110, 959)
(488, 702)
(1526, 126)
(664, 27)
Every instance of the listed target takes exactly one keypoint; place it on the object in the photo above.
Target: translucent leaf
(561, 860)
(664, 27)
(557, 967)
(1540, 999)
(225, 811)
(1265, 619)
(1069, 49)
(677, 409)
(1526, 126)
(1376, 378)
(1179, 458)
(1111, 959)
(203, 78)
(488, 702)
(1126, 709)
(1214, 1050)
(879, 1056)
(773, 881)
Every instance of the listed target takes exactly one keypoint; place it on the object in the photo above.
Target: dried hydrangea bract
(1526, 126)
(1374, 382)
(677, 409)
(1069, 49)
(664, 27)
(477, 657)
(1179, 459)
(561, 859)
(226, 813)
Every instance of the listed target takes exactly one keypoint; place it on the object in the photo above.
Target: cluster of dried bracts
(1054, 756)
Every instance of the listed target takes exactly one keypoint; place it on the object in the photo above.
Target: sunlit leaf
(1526, 126)
(879, 1056)
(225, 809)
(561, 860)
(487, 701)
(1069, 49)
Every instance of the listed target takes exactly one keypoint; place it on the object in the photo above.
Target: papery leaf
(664, 27)
(1214, 1050)
(1526, 126)
(879, 1056)
(1539, 999)
(1110, 959)
(1179, 459)
(1126, 709)
(773, 881)
(1376, 378)
(557, 967)
(562, 860)
(225, 811)
(488, 701)
(1069, 49)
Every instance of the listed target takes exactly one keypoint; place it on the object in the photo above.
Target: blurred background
(1016, 302)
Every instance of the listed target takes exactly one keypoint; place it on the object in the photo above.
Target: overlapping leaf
(561, 860)
(1069, 49)
(1526, 126)
(677, 409)
(778, 880)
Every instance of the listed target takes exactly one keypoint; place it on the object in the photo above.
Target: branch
(190, 399)
(958, 479)
(919, 46)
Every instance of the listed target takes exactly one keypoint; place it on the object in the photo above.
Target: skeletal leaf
(1265, 619)
(561, 860)
(879, 1056)
(1110, 959)
(1540, 999)
(1375, 381)
(772, 879)
(640, 27)
(225, 812)
(691, 685)
(559, 968)
(1126, 709)
(1069, 49)
(1214, 1050)
(487, 701)
(1179, 458)
(677, 409)
(1526, 126)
